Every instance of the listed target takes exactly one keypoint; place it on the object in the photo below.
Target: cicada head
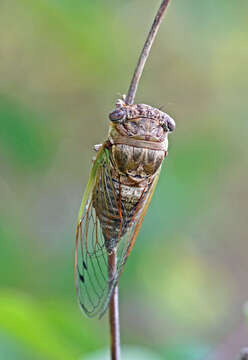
(141, 121)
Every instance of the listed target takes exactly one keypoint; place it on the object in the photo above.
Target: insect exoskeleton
(138, 143)
(121, 184)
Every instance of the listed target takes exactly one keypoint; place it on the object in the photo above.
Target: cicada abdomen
(122, 182)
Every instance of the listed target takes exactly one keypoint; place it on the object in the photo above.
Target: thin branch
(145, 52)
(114, 305)
(114, 321)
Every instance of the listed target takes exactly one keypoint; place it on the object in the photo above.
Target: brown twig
(145, 52)
(114, 306)
(114, 312)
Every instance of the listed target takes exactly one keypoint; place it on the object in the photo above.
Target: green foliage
(187, 352)
(51, 330)
(85, 28)
(25, 139)
(62, 65)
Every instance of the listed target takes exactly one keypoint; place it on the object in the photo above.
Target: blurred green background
(62, 66)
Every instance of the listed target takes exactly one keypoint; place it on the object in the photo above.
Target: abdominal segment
(121, 189)
(117, 207)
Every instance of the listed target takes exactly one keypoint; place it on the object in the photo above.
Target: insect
(121, 184)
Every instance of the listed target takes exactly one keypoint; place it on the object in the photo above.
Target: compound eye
(117, 115)
(171, 124)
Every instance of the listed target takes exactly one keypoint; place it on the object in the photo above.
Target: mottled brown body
(121, 184)
(137, 148)
(138, 162)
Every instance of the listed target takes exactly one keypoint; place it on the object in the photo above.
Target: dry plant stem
(114, 313)
(114, 305)
(145, 52)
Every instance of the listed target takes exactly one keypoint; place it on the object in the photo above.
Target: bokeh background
(63, 64)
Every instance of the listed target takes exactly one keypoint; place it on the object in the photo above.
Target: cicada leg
(97, 147)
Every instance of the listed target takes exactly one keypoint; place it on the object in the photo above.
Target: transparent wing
(95, 279)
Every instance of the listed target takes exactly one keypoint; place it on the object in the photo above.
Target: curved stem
(114, 321)
(114, 305)
(145, 52)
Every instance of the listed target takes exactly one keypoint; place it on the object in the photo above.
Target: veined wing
(95, 280)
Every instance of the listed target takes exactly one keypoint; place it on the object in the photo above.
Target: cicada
(121, 184)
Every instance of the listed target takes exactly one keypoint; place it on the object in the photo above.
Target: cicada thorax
(137, 149)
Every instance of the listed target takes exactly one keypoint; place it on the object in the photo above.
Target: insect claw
(121, 102)
(97, 147)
